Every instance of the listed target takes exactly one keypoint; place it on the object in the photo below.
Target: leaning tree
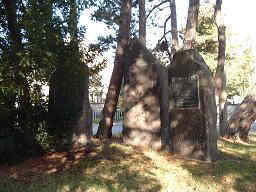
(106, 123)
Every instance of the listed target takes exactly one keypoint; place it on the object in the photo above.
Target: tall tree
(16, 47)
(175, 41)
(238, 64)
(82, 130)
(73, 23)
(220, 76)
(14, 32)
(72, 122)
(192, 23)
(142, 21)
(106, 123)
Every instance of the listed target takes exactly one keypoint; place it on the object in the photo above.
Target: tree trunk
(242, 117)
(106, 123)
(24, 100)
(73, 24)
(14, 33)
(142, 22)
(51, 38)
(175, 41)
(220, 76)
(192, 23)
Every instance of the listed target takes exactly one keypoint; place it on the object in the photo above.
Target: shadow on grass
(235, 169)
(106, 167)
(252, 138)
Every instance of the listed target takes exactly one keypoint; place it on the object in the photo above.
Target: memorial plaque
(185, 91)
(192, 107)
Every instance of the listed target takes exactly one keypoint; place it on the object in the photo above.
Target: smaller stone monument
(192, 107)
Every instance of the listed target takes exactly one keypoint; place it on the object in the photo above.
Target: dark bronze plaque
(185, 91)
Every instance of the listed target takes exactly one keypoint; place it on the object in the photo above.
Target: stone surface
(242, 117)
(193, 127)
(70, 115)
(145, 99)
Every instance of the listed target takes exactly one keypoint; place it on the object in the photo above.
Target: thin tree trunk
(106, 123)
(192, 23)
(142, 22)
(175, 41)
(220, 77)
(73, 24)
(50, 33)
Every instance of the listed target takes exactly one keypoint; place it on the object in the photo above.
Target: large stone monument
(192, 107)
(145, 99)
(70, 114)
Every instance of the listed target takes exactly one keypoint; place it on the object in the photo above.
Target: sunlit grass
(115, 167)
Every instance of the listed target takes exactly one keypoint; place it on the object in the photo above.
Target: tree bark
(142, 22)
(14, 33)
(73, 24)
(15, 37)
(192, 23)
(220, 76)
(175, 41)
(106, 123)
(242, 117)
(51, 37)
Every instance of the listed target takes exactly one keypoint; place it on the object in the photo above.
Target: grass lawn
(112, 166)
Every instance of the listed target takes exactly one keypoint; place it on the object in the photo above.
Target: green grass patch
(115, 167)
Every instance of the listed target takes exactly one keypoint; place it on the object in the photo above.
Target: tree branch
(165, 23)
(156, 6)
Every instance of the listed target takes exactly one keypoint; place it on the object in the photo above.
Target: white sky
(239, 17)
